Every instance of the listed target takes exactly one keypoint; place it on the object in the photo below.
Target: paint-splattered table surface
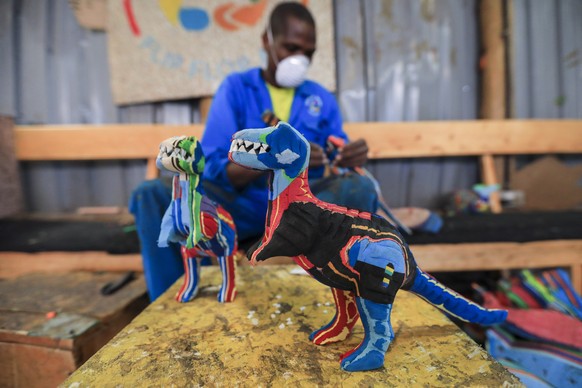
(261, 340)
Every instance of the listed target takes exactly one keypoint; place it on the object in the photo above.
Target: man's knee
(150, 187)
(151, 193)
(362, 184)
(352, 190)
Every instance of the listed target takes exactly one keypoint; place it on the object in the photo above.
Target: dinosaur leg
(228, 288)
(378, 334)
(340, 327)
(189, 288)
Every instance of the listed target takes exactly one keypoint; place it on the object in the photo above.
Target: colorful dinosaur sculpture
(202, 227)
(360, 255)
(429, 221)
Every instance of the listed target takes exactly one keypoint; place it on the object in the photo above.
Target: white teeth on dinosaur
(237, 145)
(249, 146)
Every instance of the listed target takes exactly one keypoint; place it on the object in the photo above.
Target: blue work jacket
(239, 104)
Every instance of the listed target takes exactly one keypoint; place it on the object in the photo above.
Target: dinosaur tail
(429, 289)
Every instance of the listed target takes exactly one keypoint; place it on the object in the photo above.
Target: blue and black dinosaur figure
(361, 256)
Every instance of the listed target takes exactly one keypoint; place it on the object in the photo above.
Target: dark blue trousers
(163, 266)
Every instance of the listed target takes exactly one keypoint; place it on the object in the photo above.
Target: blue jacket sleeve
(221, 124)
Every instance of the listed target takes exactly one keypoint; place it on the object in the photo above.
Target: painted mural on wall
(174, 49)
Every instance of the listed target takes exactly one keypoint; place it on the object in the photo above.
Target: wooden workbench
(261, 340)
(51, 323)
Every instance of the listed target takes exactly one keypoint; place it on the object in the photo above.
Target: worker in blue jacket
(253, 99)
(281, 88)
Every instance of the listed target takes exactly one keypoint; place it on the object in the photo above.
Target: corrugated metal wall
(546, 61)
(59, 75)
(547, 58)
(398, 60)
(409, 61)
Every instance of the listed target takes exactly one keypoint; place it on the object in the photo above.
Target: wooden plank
(498, 255)
(261, 340)
(152, 170)
(14, 264)
(386, 140)
(10, 185)
(501, 255)
(459, 138)
(32, 366)
(493, 94)
(489, 177)
(96, 142)
(493, 84)
(9, 335)
(204, 105)
(73, 293)
(490, 256)
(42, 350)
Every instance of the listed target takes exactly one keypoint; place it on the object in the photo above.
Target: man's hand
(240, 176)
(317, 156)
(354, 154)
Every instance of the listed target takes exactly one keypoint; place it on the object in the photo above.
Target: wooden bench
(50, 324)
(261, 339)
(483, 139)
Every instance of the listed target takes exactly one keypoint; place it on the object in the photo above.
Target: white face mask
(291, 71)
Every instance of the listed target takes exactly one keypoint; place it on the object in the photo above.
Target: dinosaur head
(181, 154)
(273, 148)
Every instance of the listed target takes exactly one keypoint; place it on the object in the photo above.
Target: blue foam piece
(433, 224)
(452, 303)
(546, 365)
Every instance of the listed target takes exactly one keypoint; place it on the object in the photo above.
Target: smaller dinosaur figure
(202, 227)
(361, 256)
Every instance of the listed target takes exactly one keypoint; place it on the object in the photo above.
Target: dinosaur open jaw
(169, 151)
(248, 146)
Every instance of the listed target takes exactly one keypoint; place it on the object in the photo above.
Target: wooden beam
(493, 84)
(96, 142)
(10, 185)
(468, 138)
(385, 139)
(489, 177)
(493, 95)
(205, 103)
(152, 170)
(20, 365)
(488, 256)
(13, 264)
(502, 255)
(510, 45)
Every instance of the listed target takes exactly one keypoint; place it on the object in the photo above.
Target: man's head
(290, 33)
